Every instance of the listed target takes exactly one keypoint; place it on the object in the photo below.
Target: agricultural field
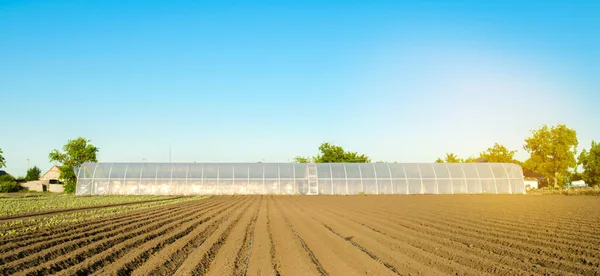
(19, 206)
(317, 235)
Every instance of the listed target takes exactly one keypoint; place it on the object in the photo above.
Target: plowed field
(324, 235)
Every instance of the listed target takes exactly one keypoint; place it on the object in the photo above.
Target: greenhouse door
(313, 181)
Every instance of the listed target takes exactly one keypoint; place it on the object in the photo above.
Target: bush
(6, 178)
(9, 187)
(69, 186)
(594, 191)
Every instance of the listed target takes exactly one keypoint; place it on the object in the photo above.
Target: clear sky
(226, 81)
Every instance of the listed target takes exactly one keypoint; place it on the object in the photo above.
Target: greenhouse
(296, 178)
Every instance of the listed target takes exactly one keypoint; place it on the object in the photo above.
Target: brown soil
(324, 235)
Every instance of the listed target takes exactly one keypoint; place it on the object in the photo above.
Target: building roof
(532, 174)
(52, 174)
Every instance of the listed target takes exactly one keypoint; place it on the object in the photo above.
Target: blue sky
(401, 81)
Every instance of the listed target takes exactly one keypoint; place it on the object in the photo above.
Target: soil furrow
(542, 256)
(171, 256)
(119, 259)
(246, 260)
(229, 259)
(419, 229)
(258, 260)
(96, 233)
(404, 255)
(430, 249)
(68, 256)
(334, 254)
(199, 260)
(67, 230)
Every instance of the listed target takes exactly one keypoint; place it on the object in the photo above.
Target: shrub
(9, 187)
(6, 178)
(69, 186)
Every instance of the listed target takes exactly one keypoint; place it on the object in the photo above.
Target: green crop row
(35, 224)
(31, 205)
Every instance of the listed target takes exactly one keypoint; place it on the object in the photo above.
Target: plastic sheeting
(294, 178)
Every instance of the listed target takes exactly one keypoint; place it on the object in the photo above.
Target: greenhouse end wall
(295, 178)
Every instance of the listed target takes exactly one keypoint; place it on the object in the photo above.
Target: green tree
(450, 158)
(469, 160)
(8, 184)
(552, 152)
(300, 159)
(590, 161)
(75, 153)
(2, 160)
(331, 153)
(499, 154)
(33, 174)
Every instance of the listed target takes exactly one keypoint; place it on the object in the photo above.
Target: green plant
(6, 178)
(590, 161)
(33, 174)
(361, 193)
(552, 152)
(69, 186)
(2, 160)
(9, 187)
(23, 226)
(76, 152)
(331, 153)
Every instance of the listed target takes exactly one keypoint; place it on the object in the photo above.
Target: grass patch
(586, 191)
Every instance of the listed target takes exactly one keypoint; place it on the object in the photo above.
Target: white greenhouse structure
(295, 178)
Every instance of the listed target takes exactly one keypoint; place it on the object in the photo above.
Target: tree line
(552, 154)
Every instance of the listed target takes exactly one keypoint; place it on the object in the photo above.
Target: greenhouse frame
(298, 178)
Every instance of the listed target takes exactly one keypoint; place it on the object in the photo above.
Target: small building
(51, 176)
(49, 181)
(530, 183)
(533, 180)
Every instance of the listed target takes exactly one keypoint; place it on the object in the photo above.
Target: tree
(469, 160)
(590, 161)
(450, 158)
(498, 154)
(2, 160)
(331, 153)
(75, 153)
(33, 174)
(300, 159)
(552, 152)
(8, 184)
